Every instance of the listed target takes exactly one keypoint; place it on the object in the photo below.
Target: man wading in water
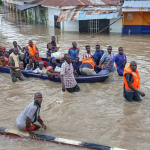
(67, 77)
(131, 79)
(14, 66)
(30, 115)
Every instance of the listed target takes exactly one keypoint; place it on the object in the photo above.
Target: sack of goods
(57, 69)
(57, 55)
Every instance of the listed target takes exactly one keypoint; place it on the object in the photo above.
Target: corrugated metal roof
(59, 3)
(136, 4)
(89, 13)
(24, 7)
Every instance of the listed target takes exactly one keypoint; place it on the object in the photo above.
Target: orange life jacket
(135, 75)
(32, 50)
(89, 60)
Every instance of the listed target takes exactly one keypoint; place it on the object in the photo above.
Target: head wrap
(22, 54)
(53, 58)
(45, 63)
(49, 68)
(3, 47)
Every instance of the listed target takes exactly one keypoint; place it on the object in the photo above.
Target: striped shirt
(87, 55)
(68, 76)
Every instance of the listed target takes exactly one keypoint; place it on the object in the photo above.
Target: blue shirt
(106, 58)
(48, 53)
(97, 56)
(76, 65)
(119, 59)
(73, 53)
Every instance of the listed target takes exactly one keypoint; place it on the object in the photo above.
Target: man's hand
(43, 126)
(99, 66)
(21, 68)
(142, 94)
(63, 89)
(32, 134)
(41, 74)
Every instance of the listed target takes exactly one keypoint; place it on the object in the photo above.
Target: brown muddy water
(97, 114)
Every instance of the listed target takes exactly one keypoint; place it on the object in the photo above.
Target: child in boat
(31, 63)
(36, 64)
(40, 69)
(21, 57)
(21, 65)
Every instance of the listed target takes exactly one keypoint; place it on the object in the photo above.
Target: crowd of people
(27, 59)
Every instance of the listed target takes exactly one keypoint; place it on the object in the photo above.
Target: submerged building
(136, 16)
(74, 15)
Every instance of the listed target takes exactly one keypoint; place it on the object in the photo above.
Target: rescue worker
(132, 83)
(32, 48)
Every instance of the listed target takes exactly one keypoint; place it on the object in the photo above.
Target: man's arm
(69, 51)
(134, 89)
(108, 64)
(100, 63)
(36, 48)
(20, 48)
(77, 53)
(63, 84)
(42, 123)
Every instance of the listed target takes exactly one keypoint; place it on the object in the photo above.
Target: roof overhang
(24, 7)
(89, 13)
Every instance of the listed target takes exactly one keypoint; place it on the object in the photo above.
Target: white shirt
(39, 70)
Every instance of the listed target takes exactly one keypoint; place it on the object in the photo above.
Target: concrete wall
(70, 26)
(38, 14)
(117, 26)
(65, 25)
(51, 13)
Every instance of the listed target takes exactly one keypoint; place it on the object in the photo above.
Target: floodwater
(97, 114)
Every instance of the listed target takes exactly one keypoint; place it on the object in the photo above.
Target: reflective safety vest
(89, 60)
(135, 75)
(32, 50)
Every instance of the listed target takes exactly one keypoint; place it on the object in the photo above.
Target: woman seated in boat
(40, 69)
(50, 49)
(87, 67)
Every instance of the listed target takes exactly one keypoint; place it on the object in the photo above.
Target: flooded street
(97, 114)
